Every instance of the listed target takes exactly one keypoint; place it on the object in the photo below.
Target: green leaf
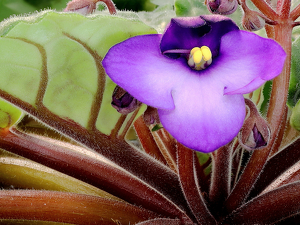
(158, 18)
(25, 174)
(294, 89)
(58, 4)
(190, 8)
(156, 128)
(11, 7)
(53, 60)
(266, 94)
(295, 116)
(9, 114)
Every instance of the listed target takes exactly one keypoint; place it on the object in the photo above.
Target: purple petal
(204, 119)
(187, 33)
(138, 66)
(246, 61)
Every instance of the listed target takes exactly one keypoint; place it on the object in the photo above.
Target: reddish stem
(115, 131)
(110, 5)
(186, 168)
(68, 208)
(269, 208)
(265, 9)
(295, 13)
(283, 8)
(147, 140)
(128, 124)
(274, 167)
(161, 221)
(167, 147)
(221, 176)
(276, 117)
(91, 169)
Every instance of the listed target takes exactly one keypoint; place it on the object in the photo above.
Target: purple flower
(199, 98)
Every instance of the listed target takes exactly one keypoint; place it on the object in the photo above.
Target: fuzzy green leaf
(294, 89)
(53, 60)
(190, 8)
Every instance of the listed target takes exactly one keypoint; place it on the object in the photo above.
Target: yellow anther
(206, 53)
(197, 56)
(200, 58)
(194, 50)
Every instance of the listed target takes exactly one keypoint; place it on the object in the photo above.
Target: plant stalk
(276, 117)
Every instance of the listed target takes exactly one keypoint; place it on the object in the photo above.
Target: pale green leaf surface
(23, 173)
(65, 48)
(159, 18)
(9, 114)
(20, 65)
(190, 8)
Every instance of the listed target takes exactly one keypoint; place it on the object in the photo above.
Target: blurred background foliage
(16, 7)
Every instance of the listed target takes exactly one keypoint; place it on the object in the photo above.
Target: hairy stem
(295, 13)
(68, 208)
(221, 176)
(147, 140)
(276, 117)
(88, 167)
(186, 168)
(283, 8)
(265, 9)
(167, 147)
(110, 5)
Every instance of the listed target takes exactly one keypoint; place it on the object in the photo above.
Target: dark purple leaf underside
(101, 174)
(186, 167)
(68, 208)
(268, 208)
(161, 221)
(276, 165)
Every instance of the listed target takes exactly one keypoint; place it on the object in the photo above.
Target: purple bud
(252, 21)
(83, 7)
(255, 133)
(223, 7)
(123, 102)
(151, 116)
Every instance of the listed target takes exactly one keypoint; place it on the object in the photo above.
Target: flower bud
(151, 116)
(255, 133)
(83, 7)
(123, 102)
(223, 7)
(252, 21)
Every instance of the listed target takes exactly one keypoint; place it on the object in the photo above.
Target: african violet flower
(198, 91)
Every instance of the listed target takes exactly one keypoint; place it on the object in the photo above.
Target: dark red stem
(186, 168)
(68, 208)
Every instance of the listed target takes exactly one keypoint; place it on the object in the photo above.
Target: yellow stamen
(200, 58)
(197, 56)
(206, 53)
(194, 50)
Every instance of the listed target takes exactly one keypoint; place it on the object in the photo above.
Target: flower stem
(110, 5)
(118, 126)
(284, 7)
(186, 168)
(147, 140)
(221, 176)
(295, 13)
(128, 124)
(276, 117)
(68, 208)
(167, 147)
(265, 9)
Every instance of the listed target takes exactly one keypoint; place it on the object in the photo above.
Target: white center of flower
(200, 58)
